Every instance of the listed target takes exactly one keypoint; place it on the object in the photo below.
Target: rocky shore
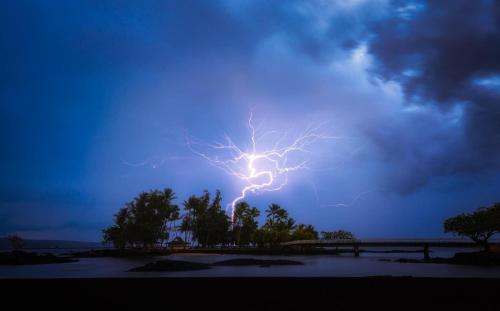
(179, 265)
(119, 253)
(473, 259)
(31, 258)
(257, 262)
(170, 265)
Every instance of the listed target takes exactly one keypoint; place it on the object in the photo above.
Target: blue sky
(97, 99)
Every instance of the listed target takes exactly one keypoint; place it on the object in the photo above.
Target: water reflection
(345, 265)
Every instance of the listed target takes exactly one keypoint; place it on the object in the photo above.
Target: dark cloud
(446, 43)
(90, 85)
(317, 29)
(439, 51)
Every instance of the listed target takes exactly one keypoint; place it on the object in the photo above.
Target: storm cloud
(95, 99)
(445, 56)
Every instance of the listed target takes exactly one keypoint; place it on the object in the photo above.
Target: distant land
(51, 244)
(66, 244)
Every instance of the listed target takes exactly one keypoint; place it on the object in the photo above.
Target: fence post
(426, 252)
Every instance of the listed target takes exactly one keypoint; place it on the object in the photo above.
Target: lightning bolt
(261, 169)
(353, 201)
(153, 162)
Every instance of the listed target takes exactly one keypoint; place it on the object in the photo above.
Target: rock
(409, 260)
(257, 262)
(177, 265)
(474, 259)
(170, 265)
(477, 258)
(31, 258)
(119, 253)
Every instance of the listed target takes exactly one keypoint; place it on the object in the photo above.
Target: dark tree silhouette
(148, 220)
(244, 224)
(144, 222)
(207, 222)
(304, 232)
(278, 226)
(479, 225)
(337, 235)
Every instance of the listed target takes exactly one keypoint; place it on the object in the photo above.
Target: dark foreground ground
(385, 293)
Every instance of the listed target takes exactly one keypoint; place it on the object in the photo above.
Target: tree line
(150, 219)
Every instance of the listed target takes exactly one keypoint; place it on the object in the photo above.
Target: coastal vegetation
(150, 219)
(337, 235)
(479, 226)
(144, 222)
(205, 221)
(245, 224)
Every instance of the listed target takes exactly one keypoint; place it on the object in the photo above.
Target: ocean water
(345, 265)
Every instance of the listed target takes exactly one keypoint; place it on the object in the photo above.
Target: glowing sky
(97, 99)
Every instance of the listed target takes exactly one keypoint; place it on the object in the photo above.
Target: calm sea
(368, 264)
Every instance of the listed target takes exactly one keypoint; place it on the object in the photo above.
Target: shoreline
(229, 251)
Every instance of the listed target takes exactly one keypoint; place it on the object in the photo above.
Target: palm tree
(273, 209)
(169, 195)
(276, 214)
(240, 211)
(278, 224)
(253, 213)
(244, 223)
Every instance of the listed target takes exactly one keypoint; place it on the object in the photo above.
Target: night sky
(97, 99)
